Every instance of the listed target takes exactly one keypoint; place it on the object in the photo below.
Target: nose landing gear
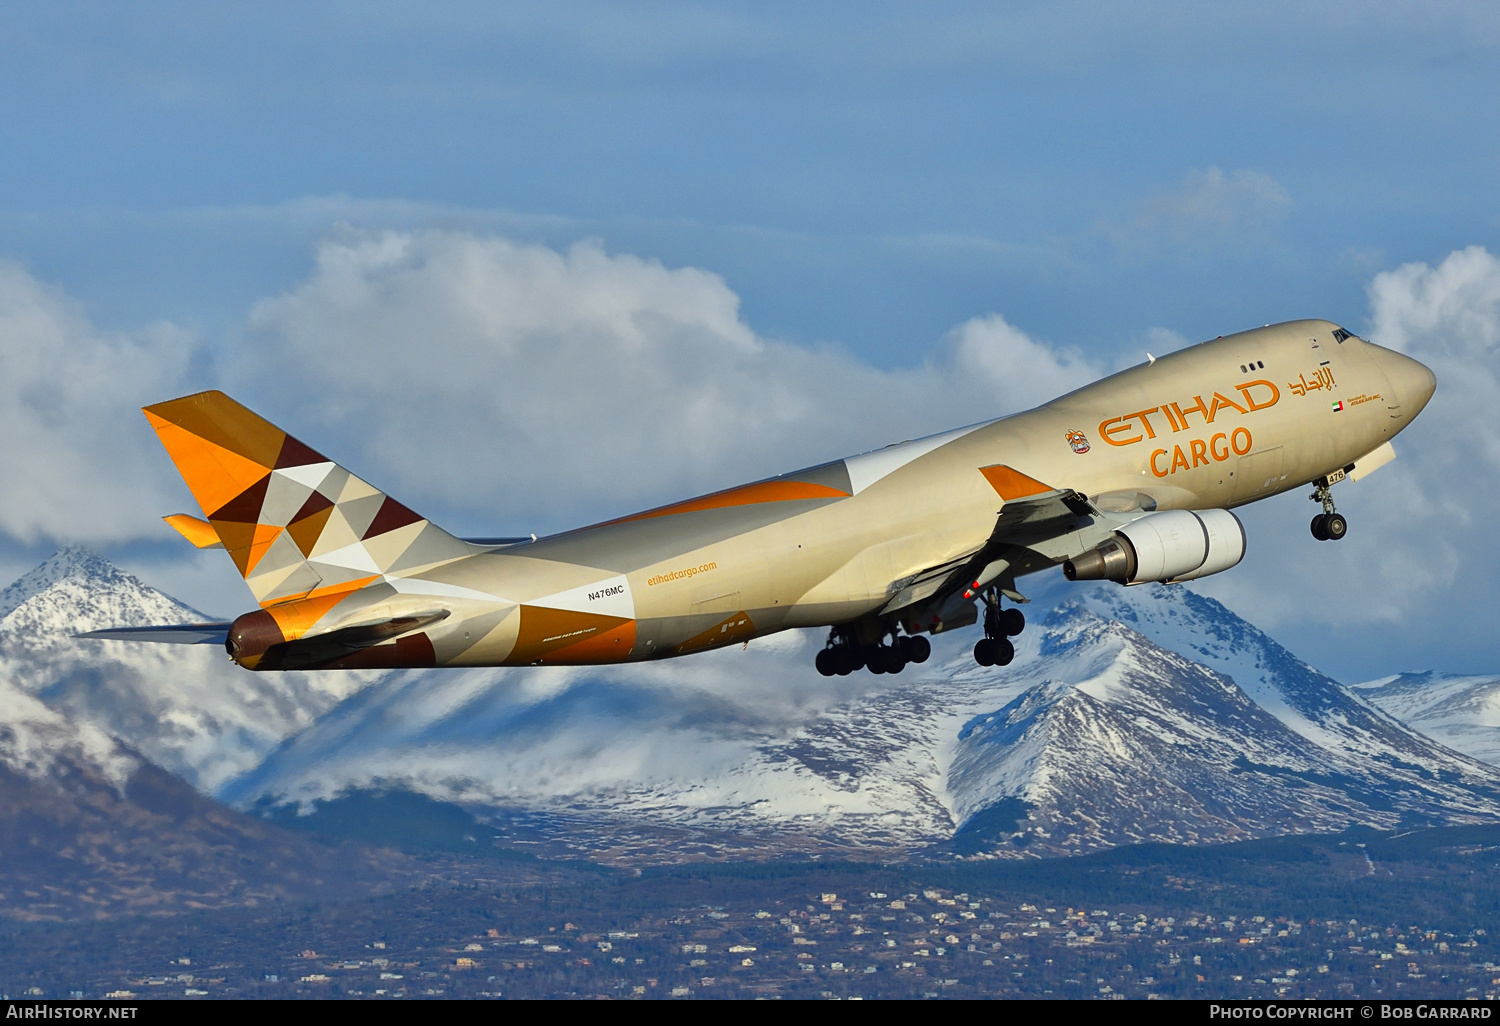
(1328, 525)
(1000, 625)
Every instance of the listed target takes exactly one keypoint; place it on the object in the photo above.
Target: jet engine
(1175, 545)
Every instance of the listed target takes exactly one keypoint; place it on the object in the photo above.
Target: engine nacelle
(1175, 545)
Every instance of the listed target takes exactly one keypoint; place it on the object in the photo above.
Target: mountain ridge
(186, 708)
(893, 769)
(1129, 715)
(1460, 710)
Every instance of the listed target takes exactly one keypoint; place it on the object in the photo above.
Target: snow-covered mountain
(37, 741)
(740, 740)
(1130, 714)
(1460, 712)
(1127, 742)
(184, 707)
(88, 827)
(1097, 735)
(1336, 718)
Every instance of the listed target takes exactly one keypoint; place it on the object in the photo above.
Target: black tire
(918, 649)
(895, 660)
(1012, 622)
(1320, 527)
(1004, 652)
(827, 662)
(984, 652)
(1335, 526)
(851, 660)
(874, 660)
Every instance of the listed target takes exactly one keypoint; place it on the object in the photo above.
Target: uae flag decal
(1338, 407)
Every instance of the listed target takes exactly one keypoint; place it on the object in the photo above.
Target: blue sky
(869, 181)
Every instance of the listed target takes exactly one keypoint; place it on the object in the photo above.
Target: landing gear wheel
(885, 659)
(917, 649)
(1327, 525)
(849, 660)
(984, 651)
(1004, 651)
(1012, 622)
(827, 662)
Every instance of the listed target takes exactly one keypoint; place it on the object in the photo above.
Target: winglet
(200, 532)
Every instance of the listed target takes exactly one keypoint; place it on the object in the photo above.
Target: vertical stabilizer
(296, 524)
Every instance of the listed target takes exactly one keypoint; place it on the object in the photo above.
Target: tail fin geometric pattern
(297, 525)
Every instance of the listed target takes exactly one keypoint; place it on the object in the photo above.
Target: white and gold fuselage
(868, 542)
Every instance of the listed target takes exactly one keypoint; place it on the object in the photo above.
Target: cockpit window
(1339, 334)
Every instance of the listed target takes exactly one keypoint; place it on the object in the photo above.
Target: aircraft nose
(1412, 382)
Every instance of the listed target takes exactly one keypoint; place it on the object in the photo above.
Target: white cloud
(537, 388)
(1449, 318)
(1151, 342)
(516, 384)
(1018, 370)
(515, 387)
(1208, 207)
(73, 462)
(1419, 568)
(1449, 310)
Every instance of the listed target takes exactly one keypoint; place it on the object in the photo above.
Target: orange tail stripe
(295, 617)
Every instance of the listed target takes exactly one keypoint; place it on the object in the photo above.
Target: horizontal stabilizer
(169, 634)
(200, 532)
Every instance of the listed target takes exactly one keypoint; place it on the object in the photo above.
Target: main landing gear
(1327, 525)
(844, 655)
(1000, 625)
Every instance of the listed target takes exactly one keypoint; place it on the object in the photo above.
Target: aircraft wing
(1030, 510)
(1055, 508)
(170, 634)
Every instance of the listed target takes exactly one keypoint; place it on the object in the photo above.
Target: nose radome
(1412, 381)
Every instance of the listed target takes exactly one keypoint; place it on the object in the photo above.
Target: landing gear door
(1258, 474)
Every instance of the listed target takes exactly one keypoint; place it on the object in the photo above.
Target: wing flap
(1050, 507)
(925, 584)
(1029, 508)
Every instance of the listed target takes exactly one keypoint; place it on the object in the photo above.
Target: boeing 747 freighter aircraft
(1130, 479)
